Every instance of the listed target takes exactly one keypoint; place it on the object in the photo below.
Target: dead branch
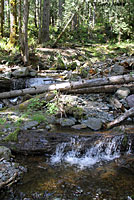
(121, 118)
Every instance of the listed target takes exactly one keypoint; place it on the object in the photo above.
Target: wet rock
(93, 123)
(21, 72)
(79, 126)
(130, 100)
(5, 152)
(122, 92)
(66, 122)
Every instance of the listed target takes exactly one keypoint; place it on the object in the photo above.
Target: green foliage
(52, 108)
(2, 121)
(38, 117)
(36, 104)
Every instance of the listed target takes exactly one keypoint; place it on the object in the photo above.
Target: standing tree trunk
(39, 19)
(19, 20)
(8, 14)
(45, 21)
(35, 15)
(1, 18)
(13, 23)
(24, 41)
(60, 12)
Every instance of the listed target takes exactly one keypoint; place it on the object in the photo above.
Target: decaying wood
(121, 118)
(101, 89)
(46, 97)
(98, 85)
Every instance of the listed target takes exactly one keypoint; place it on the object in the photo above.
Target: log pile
(97, 85)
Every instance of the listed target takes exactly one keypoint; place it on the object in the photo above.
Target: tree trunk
(35, 15)
(39, 19)
(8, 13)
(19, 20)
(13, 23)
(45, 21)
(24, 41)
(60, 12)
(1, 18)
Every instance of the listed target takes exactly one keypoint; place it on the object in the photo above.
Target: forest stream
(78, 170)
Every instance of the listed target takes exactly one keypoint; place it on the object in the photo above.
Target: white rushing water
(103, 150)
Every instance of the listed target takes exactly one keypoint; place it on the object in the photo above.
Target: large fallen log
(121, 118)
(101, 89)
(107, 84)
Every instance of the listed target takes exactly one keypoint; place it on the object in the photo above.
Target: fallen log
(106, 84)
(101, 89)
(121, 118)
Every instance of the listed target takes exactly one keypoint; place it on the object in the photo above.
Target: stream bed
(72, 172)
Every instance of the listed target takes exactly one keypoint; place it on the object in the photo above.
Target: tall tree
(1, 17)
(13, 22)
(45, 21)
(24, 40)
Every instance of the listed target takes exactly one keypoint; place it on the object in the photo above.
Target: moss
(12, 137)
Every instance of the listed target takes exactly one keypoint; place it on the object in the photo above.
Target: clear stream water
(77, 173)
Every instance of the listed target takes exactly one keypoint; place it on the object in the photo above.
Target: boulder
(21, 72)
(93, 123)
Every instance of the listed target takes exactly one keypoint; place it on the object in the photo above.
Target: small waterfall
(105, 149)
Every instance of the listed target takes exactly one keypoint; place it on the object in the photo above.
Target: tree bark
(39, 19)
(19, 19)
(13, 23)
(1, 18)
(24, 41)
(45, 21)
